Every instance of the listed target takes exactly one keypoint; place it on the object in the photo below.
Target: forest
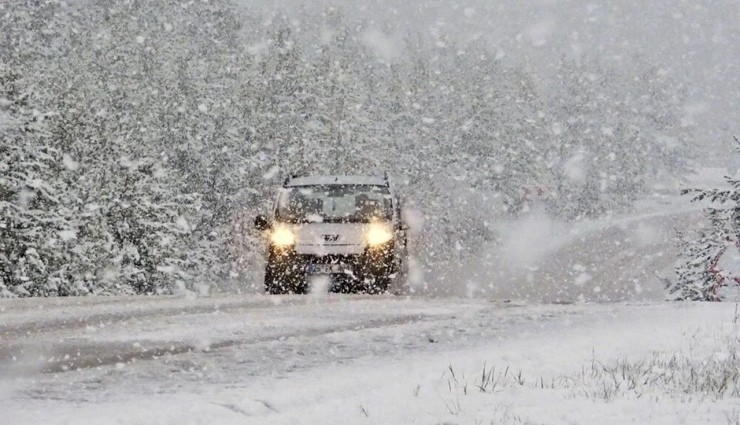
(139, 139)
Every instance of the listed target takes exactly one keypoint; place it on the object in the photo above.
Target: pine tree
(697, 277)
(35, 232)
(695, 280)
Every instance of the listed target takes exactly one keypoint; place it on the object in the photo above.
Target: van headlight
(282, 237)
(378, 234)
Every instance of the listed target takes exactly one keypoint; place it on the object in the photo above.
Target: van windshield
(335, 204)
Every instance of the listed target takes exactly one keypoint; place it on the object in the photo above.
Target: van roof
(335, 180)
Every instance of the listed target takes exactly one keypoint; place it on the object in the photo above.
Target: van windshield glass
(335, 204)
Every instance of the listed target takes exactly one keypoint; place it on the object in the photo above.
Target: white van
(347, 228)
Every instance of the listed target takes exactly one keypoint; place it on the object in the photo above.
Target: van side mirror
(261, 222)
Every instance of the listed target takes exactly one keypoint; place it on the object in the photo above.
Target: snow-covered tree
(614, 133)
(158, 126)
(698, 256)
(35, 231)
(699, 275)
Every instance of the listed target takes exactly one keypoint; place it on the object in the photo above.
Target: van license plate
(324, 268)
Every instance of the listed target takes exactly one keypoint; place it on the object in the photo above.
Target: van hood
(330, 238)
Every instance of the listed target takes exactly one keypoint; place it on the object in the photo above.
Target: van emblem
(331, 238)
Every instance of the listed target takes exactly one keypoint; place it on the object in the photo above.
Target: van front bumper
(372, 263)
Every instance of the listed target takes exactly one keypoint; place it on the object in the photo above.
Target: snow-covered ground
(359, 359)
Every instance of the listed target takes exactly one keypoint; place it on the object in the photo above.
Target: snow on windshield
(334, 203)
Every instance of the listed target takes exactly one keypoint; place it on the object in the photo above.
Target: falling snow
(559, 170)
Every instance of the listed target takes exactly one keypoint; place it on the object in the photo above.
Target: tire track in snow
(41, 323)
(69, 355)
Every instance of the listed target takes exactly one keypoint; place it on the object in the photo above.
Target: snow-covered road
(338, 359)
